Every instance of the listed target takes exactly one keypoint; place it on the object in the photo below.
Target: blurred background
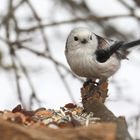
(33, 67)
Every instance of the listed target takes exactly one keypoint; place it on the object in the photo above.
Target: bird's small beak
(84, 41)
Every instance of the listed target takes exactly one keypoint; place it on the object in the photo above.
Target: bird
(95, 57)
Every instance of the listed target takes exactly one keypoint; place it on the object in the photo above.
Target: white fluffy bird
(94, 57)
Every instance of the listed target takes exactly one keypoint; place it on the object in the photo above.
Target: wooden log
(98, 131)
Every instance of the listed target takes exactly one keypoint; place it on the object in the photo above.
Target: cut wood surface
(98, 131)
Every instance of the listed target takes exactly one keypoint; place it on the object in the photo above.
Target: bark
(99, 131)
(93, 99)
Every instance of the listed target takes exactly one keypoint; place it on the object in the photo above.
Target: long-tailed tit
(94, 57)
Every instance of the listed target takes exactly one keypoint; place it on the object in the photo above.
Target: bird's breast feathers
(83, 63)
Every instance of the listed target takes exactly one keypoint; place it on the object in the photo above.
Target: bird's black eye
(75, 38)
(90, 37)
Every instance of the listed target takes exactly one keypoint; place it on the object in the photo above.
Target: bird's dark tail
(130, 44)
(102, 55)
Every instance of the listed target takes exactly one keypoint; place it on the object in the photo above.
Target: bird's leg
(95, 81)
(92, 81)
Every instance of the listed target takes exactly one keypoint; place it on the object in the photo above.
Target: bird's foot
(94, 82)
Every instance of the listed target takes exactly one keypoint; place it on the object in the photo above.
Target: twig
(12, 54)
(19, 4)
(33, 93)
(127, 6)
(78, 19)
(38, 19)
(47, 56)
(65, 83)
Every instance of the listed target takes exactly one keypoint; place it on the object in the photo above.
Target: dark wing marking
(106, 48)
(104, 43)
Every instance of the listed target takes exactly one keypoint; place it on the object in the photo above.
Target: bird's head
(82, 38)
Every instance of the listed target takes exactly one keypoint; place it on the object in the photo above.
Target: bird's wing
(104, 43)
(107, 47)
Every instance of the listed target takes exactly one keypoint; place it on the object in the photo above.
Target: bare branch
(78, 19)
(33, 92)
(38, 19)
(12, 54)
